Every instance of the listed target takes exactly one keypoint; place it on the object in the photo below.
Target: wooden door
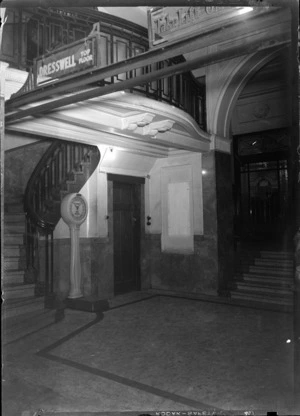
(126, 231)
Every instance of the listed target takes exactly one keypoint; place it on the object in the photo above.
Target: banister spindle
(68, 153)
(73, 158)
(64, 161)
(76, 152)
(60, 166)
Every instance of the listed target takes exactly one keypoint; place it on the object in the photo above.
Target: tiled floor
(153, 354)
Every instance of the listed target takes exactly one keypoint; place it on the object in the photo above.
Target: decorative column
(3, 67)
(295, 105)
(74, 211)
(219, 177)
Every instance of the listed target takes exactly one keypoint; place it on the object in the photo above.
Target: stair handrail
(43, 164)
(71, 155)
(28, 209)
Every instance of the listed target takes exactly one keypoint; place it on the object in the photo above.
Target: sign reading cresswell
(68, 59)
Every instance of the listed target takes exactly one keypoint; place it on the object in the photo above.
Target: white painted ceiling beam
(120, 119)
(51, 129)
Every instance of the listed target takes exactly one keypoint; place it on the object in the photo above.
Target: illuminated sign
(68, 59)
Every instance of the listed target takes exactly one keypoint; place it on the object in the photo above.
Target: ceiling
(137, 15)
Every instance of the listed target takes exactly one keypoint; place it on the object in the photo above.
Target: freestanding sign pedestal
(75, 266)
(74, 212)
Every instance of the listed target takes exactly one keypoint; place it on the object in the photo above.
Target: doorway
(262, 183)
(264, 196)
(126, 232)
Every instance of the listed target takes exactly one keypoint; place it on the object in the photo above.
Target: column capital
(223, 144)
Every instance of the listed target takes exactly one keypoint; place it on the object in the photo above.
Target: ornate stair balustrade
(64, 168)
(179, 90)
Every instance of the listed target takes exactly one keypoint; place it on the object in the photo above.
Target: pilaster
(219, 206)
(3, 69)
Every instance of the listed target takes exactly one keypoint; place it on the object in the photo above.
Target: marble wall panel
(225, 217)
(102, 270)
(209, 194)
(96, 267)
(210, 267)
(193, 273)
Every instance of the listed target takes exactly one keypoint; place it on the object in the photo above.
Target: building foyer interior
(150, 209)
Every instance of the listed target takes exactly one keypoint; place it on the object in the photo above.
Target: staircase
(64, 168)
(265, 277)
(21, 307)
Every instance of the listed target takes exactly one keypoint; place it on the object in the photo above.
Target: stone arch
(235, 84)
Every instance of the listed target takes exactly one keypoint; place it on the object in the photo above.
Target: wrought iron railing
(179, 90)
(119, 41)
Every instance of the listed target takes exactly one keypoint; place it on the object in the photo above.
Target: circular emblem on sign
(74, 209)
(78, 208)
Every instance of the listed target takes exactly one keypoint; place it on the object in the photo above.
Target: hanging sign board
(171, 23)
(77, 56)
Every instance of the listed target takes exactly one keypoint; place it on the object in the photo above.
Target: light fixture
(244, 10)
(204, 172)
(110, 153)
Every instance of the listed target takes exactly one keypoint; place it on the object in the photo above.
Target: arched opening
(255, 115)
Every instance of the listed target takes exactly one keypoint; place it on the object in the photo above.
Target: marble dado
(225, 216)
(193, 273)
(96, 255)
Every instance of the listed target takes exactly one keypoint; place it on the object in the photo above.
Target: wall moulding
(222, 144)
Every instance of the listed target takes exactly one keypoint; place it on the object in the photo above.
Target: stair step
(13, 277)
(264, 277)
(17, 327)
(283, 263)
(14, 205)
(265, 268)
(256, 297)
(11, 250)
(16, 217)
(270, 271)
(11, 263)
(15, 307)
(276, 254)
(14, 228)
(13, 239)
(16, 291)
(279, 290)
(272, 297)
(269, 281)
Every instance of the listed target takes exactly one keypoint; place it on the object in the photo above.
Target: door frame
(139, 182)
